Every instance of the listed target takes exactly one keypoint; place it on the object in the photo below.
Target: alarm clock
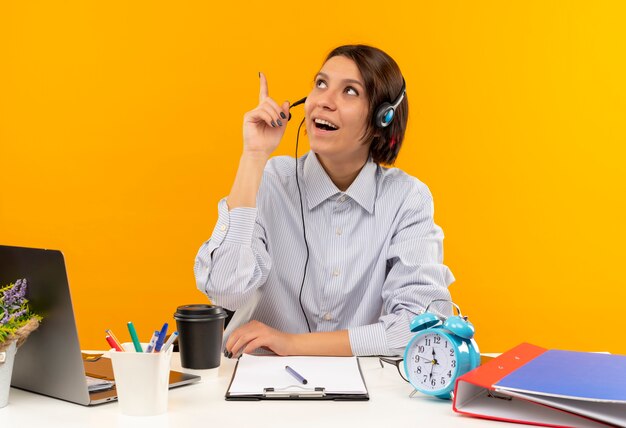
(442, 350)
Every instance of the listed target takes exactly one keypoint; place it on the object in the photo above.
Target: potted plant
(16, 323)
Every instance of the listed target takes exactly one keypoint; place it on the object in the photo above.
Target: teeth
(325, 122)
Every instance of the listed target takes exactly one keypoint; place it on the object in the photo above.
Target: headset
(384, 113)
(382, 118)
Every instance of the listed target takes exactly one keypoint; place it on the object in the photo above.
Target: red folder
(532, 385)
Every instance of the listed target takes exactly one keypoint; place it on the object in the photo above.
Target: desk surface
(203, 405)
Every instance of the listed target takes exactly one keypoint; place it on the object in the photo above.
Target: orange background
(120, 129)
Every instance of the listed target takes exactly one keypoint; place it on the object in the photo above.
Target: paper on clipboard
(337, 375)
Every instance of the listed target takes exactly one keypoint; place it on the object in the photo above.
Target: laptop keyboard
(96, 384)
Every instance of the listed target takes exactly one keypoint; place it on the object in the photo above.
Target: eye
(351, 91)
(320, 83)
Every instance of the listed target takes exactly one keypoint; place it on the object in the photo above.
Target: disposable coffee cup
(200, 332)
(141, 380)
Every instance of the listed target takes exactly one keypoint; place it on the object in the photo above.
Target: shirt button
(338, 231)
(342, 199)
(336, 272)
(328, 316)
(223, 227)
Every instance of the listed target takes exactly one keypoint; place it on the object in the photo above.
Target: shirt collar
(320, 187)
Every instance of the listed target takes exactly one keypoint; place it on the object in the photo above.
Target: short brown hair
(383, 83)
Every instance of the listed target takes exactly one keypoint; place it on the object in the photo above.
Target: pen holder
(141, 380)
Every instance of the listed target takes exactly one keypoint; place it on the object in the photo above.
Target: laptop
(50, 362)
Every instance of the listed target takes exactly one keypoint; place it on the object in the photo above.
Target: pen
(161, 338)
(169, 341)
(295, 374)
(153, 341)
(115, 339)
(133, 336)
(113, 344)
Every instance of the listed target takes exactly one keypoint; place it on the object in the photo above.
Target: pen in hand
(295, 374)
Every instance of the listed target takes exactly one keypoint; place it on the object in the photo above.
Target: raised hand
(264, 126)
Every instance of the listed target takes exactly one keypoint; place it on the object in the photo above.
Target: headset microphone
(297, 103)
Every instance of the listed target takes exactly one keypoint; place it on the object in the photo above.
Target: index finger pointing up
(263, 93)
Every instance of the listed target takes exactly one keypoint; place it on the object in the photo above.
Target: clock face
(431, 362)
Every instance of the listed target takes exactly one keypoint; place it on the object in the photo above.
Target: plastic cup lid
(198, 312)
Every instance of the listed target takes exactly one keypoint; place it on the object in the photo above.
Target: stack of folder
(533, 385)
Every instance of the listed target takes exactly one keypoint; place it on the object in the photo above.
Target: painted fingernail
(230, 355)
(273, 124)
(283, 115)
(225, 353)
(279, 122)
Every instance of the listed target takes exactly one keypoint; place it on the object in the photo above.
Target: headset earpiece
(384, 115)
(386, 111)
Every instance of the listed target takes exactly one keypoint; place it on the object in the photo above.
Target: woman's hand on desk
(254, 335)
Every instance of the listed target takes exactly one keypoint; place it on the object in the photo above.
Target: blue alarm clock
(442, 350)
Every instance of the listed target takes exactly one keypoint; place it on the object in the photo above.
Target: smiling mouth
(325, 125)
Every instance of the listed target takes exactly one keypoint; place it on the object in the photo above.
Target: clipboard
(329, 378)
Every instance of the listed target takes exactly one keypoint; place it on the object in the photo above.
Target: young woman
(368, 257)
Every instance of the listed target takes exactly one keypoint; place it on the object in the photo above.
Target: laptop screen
(50, 361)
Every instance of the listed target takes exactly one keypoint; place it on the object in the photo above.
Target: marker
(161, 338)
(169, 342)
(113, 344)
(110, 333)
(153, 341)
(295, 374)
(133, 336)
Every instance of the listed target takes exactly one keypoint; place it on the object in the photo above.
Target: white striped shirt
(375, 255)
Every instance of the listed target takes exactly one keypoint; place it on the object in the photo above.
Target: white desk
(203, 405)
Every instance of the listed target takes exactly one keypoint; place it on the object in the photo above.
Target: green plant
(14, 311)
